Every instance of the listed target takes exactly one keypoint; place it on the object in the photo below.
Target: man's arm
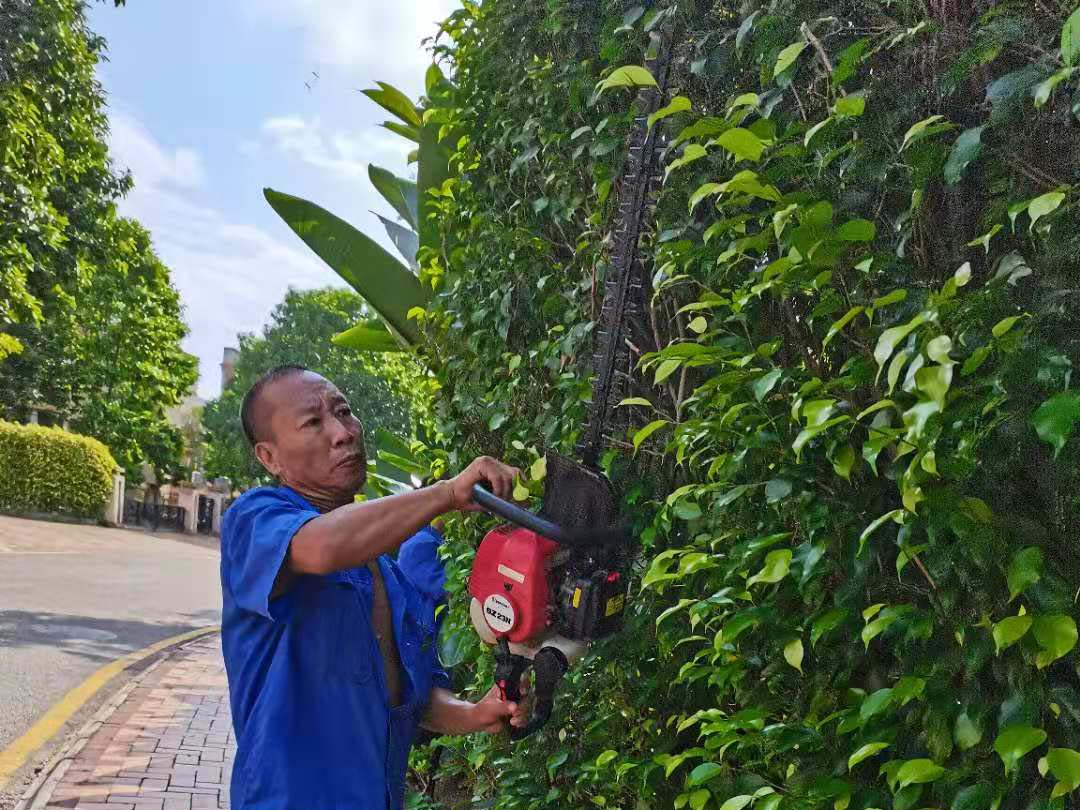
(354, 535)
(447, 714)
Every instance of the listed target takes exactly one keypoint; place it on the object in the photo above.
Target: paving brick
(169, 746)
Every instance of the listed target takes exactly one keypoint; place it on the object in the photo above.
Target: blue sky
(208, 104)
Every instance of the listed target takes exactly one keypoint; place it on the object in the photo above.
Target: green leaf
(934, 381)
(742, 143)
(896, 516)
(766, 383)
(964, 152)
(1070, 39)
(706, 190)
(691, 152)
(1025, 569)
(876, 703)
(1055, 419)
(699, 798)
(924, 129)
(777, 489)
(406, 240)
(635, 401)
(890, 337)
(876, 628)
(777, 565)
(698, 325)
(701, 129)
(966, 732)
(497, 420)
(385, 283)
(744, 30)
(703, 773)
(975, 797)
(736, 803)
(823, 624)
(865, 752)
(919, 772)
(851, 106)
(985, 239)
(1056, 635)
(857, 230)
(678, 104)
(395, 102)
(843, 461)
(1004, 325)
(814, 430)
(895, 367)
(648, 431)
(605, 758)
(787, 57)
(368, 336)
(557, 760)
(399, 192)
(666, 368)
(815, 129)
(627, 76)
(1016, 742)
(1046, 88)
(1041, 206)
(1009, 631)
(687, 510)
(793, 653)
(1064, 764)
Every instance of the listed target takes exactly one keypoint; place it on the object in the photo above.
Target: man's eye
(343, 412)
(312, 422)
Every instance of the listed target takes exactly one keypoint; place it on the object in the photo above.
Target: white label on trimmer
(510, 573)
(499, 613)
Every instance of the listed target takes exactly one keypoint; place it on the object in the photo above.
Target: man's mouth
(352, 460)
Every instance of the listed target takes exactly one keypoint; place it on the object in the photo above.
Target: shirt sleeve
(418, 558)
(255, 539)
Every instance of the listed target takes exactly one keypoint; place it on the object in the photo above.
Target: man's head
(305, 435)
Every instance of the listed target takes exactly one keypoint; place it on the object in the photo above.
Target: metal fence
(154, 515)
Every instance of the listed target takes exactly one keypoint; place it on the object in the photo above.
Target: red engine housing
(509, 579)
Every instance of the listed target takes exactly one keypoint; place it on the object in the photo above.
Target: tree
(57, 182)
(89, 321)
(379, 387)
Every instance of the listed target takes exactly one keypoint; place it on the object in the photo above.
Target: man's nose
(344, 433)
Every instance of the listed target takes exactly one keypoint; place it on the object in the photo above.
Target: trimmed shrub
(46, 469)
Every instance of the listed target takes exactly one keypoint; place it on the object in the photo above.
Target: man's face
(312, 441)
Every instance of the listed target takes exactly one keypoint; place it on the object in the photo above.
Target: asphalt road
(73, 598)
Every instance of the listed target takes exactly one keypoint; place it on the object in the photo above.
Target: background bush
(49, 470)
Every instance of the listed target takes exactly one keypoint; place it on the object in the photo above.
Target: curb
(40, 790)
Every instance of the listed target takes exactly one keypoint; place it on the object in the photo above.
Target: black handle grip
(549, 666)
(545, 528)
(515, 514)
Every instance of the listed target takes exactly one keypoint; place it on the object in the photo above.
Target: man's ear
(266, 453)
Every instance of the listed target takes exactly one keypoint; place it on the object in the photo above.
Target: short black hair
(251, 399)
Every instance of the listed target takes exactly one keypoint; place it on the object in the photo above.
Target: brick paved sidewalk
(168, 746)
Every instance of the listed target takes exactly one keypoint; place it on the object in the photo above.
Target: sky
(211, 101)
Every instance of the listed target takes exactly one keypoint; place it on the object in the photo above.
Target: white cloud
(230, 274)
(134, 148)
(382, 39)
(336, 152)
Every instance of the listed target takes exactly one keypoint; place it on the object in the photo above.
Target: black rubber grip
(543, 527)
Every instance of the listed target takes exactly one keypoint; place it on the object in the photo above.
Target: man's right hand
(492, 474)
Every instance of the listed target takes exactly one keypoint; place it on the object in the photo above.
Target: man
(329, 649)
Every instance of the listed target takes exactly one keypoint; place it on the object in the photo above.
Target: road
(73, 598)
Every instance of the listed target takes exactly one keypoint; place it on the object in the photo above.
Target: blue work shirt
(314, 727)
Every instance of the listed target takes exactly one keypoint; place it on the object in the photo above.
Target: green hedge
(51, 470)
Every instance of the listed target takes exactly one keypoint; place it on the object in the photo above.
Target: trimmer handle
(549, 666)
(545, 528)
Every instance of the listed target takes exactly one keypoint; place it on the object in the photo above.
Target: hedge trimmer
(546, 586)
